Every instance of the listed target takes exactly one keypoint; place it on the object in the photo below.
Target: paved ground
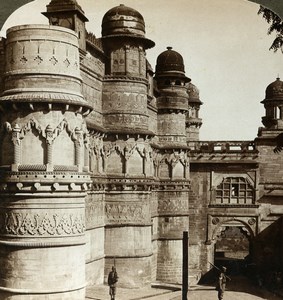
(238, 289)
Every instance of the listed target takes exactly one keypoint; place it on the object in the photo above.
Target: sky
(225, 47)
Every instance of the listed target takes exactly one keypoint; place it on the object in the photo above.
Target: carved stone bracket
(18, 133)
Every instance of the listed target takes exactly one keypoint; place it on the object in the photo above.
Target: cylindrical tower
(43, 177)
(126, 152)
(172, 165)
(125, 83)
(172, 103)
(193, 121)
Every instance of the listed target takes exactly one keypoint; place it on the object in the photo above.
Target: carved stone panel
(30, 223)
(127, 213)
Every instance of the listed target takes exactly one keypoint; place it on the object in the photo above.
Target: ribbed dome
(274, 91)
(123, 20)
(170, 63)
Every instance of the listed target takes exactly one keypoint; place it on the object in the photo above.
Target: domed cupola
(273, 104)
(170, 64)
(193, 92)
(274, 91)
(124, 21)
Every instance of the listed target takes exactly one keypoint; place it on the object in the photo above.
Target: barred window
(234, 190)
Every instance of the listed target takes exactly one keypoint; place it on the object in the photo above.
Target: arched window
(234, 190)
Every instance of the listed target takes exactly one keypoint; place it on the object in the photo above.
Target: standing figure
(112, 280)
(221, 285)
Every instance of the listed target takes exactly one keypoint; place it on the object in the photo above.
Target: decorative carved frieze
(48, 52)
(173, 205)
(172, 139)
(127, 213)
(126, 120)
(26, 223)
(121, 102)
(94, 212)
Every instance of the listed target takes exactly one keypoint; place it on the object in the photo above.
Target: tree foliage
(276, 26)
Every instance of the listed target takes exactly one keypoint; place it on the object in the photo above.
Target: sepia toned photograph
(141, 150)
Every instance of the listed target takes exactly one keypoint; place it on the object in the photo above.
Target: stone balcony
(223, 151)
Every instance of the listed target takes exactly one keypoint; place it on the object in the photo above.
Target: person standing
(112, 280)
(221, 285)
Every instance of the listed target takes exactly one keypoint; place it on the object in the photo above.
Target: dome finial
(169, 48)
(278, 77)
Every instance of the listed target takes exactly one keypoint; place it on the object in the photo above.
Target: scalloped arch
(225, 222)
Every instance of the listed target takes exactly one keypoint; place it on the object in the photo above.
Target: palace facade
(101, 164)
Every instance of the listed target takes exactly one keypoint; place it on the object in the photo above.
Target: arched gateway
(230, 241)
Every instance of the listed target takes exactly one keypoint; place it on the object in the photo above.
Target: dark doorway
(232, 249)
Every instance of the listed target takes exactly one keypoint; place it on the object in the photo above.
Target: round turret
(170, 64)
(273, 104)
